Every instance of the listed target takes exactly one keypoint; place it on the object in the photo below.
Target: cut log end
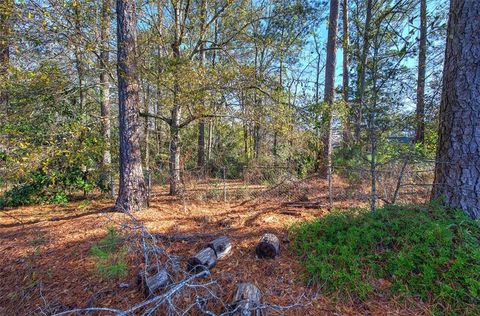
(205, 259)
(246, 300)
(268, 247)
(152, 280)
(222, 246)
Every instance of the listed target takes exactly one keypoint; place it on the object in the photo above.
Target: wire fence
(397, 181)
(403, 179)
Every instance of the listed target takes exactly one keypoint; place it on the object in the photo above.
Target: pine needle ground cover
(421, 252)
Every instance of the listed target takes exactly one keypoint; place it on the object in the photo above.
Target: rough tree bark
(325, 169)
(361, 81)
(105, 84)
(132, 193)
(422, 56)
(457, 169)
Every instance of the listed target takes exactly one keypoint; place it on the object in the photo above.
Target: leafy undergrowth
(422, 252)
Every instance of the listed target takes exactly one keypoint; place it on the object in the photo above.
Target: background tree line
(205, 84)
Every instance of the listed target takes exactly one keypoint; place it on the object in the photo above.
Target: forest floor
(46, 262)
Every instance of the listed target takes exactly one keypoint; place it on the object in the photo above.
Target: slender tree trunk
(329, 95)
(211, 122)
(345, 74)
(159, 138)
(175, 112)
(422, 56)
(175, 146)
(318, 158)
(317, 81)
(457, 169)
(245, 126)
(132, 192)
(201, 124)
(256, 141)
(79, 60)
(147, 128)
(105, 85)
(362, 71)
(211, 130)
(6, 9)
(345, 46)
(372, 114)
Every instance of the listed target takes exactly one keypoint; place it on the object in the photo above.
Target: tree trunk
(211, 130)
(105, 85)
(372, 127)
(325, 168)
(420, 110)
(457, 169)
(79, 62)
(345, 74)
(362, 71)
(256, 141)
(175, 149)
(318, 154)
(5, 19)
(132, 193)
(176, 111)
(201, 124)
(158, 127)
(147, 128)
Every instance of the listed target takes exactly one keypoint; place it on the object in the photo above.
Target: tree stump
(205, 259)
(152, 280)
(268, 246)
(222, 247)
(246, 300)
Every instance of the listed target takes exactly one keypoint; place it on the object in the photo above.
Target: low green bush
(110, 255)
(47, 187)
(425, 252)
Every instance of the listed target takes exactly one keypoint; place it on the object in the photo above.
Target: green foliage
(52, 149)
(110, 253)
(426, 252)
(47, 186)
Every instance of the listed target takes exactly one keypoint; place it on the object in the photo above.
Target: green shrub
(110, 253)
(47, 187)
(426, 252)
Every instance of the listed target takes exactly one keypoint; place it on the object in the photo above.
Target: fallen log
(205, 259)
(268, 246)
(187, 237)
(315, 205)
(222, 247)
(246, 301)
(152, 280)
